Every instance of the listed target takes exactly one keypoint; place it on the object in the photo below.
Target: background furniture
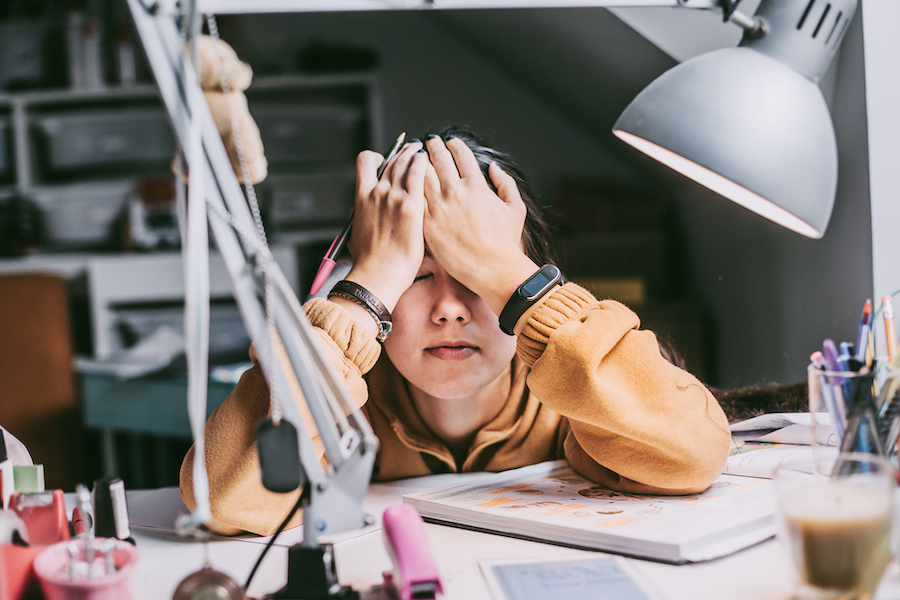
(38, 398)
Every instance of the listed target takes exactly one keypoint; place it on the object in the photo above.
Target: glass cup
(837, 527)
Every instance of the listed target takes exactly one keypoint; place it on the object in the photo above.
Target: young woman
(442, 240)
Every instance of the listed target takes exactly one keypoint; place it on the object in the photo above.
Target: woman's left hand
(475, 234)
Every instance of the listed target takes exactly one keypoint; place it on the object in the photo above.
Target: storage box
(309, 133)
(304, 200)
(81, 215)
(92, 139)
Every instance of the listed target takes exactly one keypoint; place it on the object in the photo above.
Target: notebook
(549, 502)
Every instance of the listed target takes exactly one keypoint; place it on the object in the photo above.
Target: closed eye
(422, 277)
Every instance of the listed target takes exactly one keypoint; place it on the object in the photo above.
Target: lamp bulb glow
(720, 185)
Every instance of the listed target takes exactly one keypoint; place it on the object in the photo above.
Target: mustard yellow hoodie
(588, 385)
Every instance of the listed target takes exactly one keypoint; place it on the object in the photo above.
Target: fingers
(416, 174)
(367, 164)
(432, 183)
(400, 163)
(505, 184)
(443, 162)
(465, 160)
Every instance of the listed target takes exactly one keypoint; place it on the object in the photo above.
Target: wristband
(354, 292)
(534, 288)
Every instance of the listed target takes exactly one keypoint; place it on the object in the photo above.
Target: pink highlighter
(340, 241)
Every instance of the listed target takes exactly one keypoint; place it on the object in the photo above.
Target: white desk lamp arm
(336, 492)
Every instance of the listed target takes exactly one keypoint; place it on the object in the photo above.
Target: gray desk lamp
(750, 122)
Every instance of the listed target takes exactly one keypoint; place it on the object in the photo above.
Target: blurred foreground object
(224, 78)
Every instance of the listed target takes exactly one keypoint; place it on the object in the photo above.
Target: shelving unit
(312, 127)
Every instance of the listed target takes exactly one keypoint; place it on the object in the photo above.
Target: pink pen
(328, 261)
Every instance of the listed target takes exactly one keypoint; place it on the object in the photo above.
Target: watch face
(539, 281)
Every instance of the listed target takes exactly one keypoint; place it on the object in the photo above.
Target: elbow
(186, 490)
(686, 469)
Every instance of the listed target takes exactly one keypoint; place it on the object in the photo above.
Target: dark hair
(536, 234)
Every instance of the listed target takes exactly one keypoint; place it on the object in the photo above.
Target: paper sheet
(786, 428)
(151, 354)
(761, 460)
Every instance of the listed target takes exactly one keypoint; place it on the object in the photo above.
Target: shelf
(146, 90)
(142, 91)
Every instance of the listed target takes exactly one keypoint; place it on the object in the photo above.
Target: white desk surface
(762, 572)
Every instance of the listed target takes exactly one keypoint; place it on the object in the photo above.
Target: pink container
(52, 567)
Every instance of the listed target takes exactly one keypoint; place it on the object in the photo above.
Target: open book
(550, 502)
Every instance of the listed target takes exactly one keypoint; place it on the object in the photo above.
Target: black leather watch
(534, 288)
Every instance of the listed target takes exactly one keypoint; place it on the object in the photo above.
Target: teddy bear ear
(217, 57)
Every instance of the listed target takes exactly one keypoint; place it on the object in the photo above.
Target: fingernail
(422, 150)
(430, 136)
(415, 141)
(451, 137)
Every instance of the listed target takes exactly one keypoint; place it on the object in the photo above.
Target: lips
(452, 350)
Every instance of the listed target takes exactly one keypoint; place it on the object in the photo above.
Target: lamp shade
(746, 126)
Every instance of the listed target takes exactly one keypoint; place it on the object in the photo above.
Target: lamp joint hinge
(728, 7)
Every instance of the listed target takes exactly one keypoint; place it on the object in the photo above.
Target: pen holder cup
(856, 411)
(63, 570)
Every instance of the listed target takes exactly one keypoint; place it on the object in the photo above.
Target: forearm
(631, 411)
(238, 500)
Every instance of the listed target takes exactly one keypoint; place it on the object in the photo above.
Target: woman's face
(445, 340)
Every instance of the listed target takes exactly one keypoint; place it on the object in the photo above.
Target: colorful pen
(890, 333)
(842, 391)
(862, 335)
(328, 261)
(832, 405)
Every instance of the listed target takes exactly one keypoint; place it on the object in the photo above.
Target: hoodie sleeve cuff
(354, 341)
(568, 302)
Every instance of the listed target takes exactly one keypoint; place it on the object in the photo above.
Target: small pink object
(322, 274)
(415, 574)
(62, 571)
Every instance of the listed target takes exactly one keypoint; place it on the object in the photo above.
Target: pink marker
(340, 241)
(415, 574)
(328, 261)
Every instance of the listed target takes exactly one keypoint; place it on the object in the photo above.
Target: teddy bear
(216, 58)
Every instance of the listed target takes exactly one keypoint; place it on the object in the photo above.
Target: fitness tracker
(534, 288)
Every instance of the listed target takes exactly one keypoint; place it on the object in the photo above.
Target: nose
(451, 302)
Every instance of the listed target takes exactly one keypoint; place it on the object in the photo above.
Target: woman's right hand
(387, 242)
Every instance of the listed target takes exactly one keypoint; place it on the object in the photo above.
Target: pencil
(890, 334)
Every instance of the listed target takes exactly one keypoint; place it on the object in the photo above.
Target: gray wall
(429, 79)
(883, 99)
